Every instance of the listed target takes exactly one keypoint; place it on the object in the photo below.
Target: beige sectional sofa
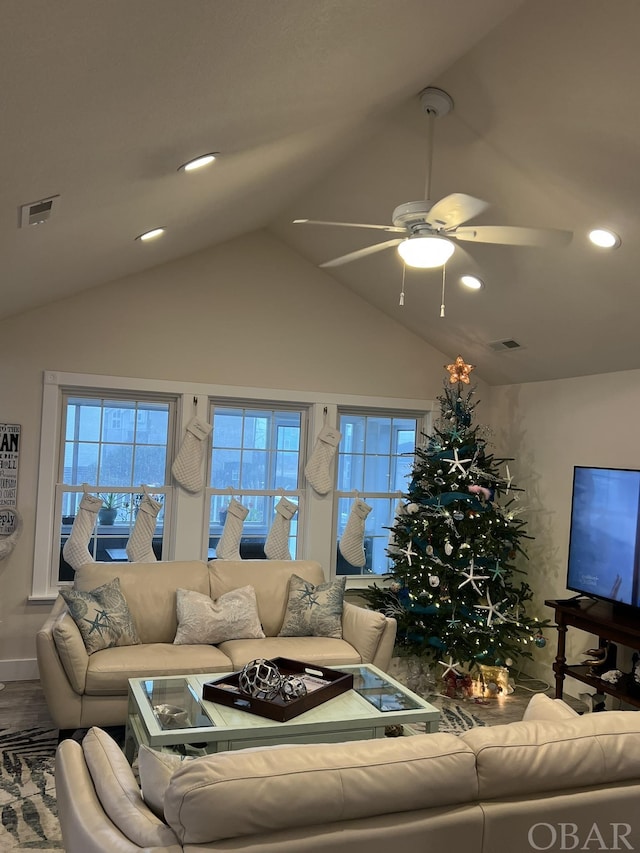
(533, 785)
(83, 690)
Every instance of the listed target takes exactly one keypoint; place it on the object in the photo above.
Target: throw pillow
(233, 616)
(102, 616)
(314, 611)
(155, 770)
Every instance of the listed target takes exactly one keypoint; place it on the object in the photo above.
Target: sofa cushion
(534, 757)
(234, 616)
(102, 616)
(543, 707)
(314, 610)
(365, 627)
(119, 794)
(233, 794)
(71, 650)
(269, 578)
(322, 650)
(152, 603)
(109, 670)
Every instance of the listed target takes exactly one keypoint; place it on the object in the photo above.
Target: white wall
(548, 427)
(248, 313)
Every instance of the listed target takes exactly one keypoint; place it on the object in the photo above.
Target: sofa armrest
(372, 634)
(63, 700)
(86, 828)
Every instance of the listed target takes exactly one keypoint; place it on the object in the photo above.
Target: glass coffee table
(169, 713)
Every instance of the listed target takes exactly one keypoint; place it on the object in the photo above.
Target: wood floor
(22, 704)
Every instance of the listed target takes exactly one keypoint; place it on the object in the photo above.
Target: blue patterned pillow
(314, 611)
(102, 616)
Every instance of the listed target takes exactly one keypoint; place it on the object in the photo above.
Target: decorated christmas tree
(455, 588)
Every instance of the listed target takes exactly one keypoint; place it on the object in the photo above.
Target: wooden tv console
(608, 621)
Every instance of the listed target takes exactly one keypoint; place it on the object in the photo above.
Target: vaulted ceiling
(314, 108)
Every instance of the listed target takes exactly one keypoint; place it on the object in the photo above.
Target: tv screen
(603, 545)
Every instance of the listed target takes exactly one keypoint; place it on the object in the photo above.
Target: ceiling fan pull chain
(431, 117)
(404, 270)
(444, 278)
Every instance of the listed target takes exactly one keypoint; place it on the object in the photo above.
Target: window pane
(254, 451)
(114, 446)
(375, 458)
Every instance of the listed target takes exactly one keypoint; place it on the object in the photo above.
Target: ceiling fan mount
(444, 217)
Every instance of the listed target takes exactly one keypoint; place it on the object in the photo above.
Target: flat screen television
(604, 543)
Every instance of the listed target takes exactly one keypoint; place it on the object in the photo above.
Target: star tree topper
(459, 370)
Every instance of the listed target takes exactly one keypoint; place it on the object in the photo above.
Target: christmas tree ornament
(459, 371)
(448, 548)
(139, 547)
(228, 547)
(434, 580)
(260, 679)
(75, 550)
(277, 545)
(187, 466)
(429, 550)
(318, 468)
(458, 515)
(351, 544)
(539, 640)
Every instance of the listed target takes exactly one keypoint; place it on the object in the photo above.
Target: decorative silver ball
(260, 678)
(434, 580)
(292, 687)
(412, 508)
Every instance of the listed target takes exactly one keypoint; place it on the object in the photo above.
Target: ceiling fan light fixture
(472, 282)
(151, 235)
(198, 162)
(604, 238)
(426, 252)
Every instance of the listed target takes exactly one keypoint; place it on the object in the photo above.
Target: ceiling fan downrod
(435, 103)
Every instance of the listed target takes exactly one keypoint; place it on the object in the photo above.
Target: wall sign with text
(9, 456)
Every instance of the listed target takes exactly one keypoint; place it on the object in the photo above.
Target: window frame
(190, 515)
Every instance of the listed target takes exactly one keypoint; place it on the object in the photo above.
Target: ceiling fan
(427, 230)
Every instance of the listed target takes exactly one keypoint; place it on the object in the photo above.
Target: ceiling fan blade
(509, 235)
(455, 209)
(362, 253)
(390, 228)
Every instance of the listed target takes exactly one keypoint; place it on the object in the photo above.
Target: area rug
(27, 785)
(27, 790)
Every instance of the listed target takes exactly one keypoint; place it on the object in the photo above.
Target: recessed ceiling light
(472, 282)
(151, 235)
(604, 239)
(198, 162)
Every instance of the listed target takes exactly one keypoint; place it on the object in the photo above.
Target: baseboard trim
(19, 670)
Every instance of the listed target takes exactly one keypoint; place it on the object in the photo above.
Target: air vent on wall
(38, 212)
(509, 343)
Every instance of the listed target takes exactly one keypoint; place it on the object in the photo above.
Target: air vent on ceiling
(38, 212)
(509, 343)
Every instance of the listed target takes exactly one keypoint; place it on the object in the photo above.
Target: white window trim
(190, 514)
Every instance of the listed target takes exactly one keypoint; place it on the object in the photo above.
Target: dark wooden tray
(225, 691)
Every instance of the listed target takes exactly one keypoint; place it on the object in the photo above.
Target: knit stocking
(75, 550)
(351, 543)
(399, 511)
(187, 466)
(277, 545)
(318, 468)
(228, 548)
(139, 547)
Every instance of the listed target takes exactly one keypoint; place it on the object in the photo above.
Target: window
(375, 459)
(117, 433)
(113, 447)
(256, 457)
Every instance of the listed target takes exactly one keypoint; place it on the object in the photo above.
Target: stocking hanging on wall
(76, 551)
(139, 547)
(318, 468)
(400, 510)
(228, 548)
(187, 466)
(351, 543)
(277, 545)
